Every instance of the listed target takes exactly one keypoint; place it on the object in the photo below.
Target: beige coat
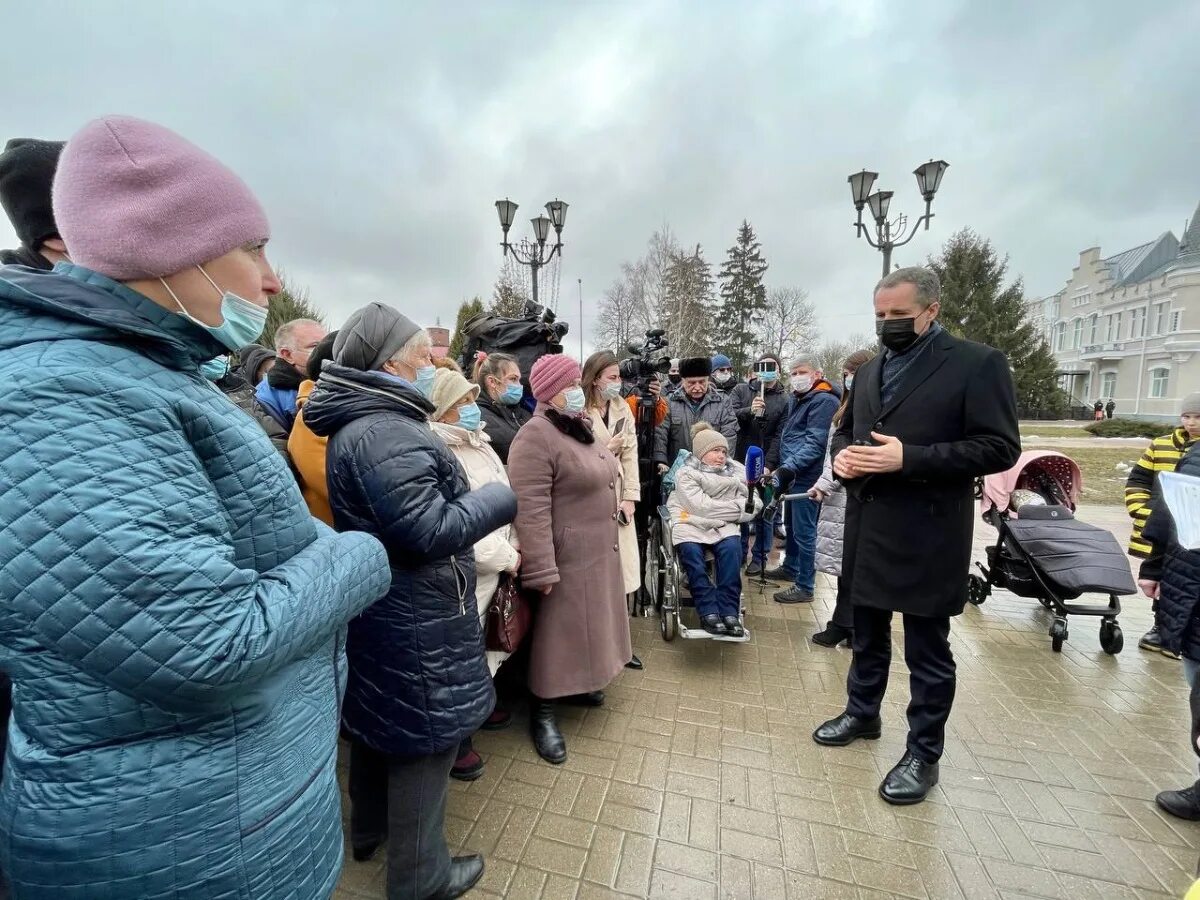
(497, 552)
(707, 507)
(630, 488)
(567, 527)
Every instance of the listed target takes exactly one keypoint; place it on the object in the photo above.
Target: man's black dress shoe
(909, 782)
(846, 729)
(465, 872)
(635, 663)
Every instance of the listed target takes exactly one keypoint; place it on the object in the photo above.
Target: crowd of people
(219, 556)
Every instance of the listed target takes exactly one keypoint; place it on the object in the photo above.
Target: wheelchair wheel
(652, 575)
(668, 612)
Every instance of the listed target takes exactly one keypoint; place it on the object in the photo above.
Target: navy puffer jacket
(1179, 579)
(418, 682)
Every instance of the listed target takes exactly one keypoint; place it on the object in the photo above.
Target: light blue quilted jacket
(170, 614)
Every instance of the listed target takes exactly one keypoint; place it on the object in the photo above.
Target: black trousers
(930, 675)
(843, 612)
(403, 798)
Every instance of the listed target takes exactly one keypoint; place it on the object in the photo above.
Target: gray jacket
(675, 431)
(832, 520)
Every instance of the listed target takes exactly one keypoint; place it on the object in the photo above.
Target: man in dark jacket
(27, 168)
(418, 682)
(1110, 407)
(294, 343)
(925, 418)
(760, 407)
(695, 401)
(724, 379)
(1170, 576)
(254, 361)
(802, 438)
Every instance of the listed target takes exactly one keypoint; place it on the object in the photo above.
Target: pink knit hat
(135, 200)
(551, 375)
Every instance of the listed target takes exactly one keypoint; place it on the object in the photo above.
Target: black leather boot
(713, 625)
(547, 739)
(465, 872)
(733, 625)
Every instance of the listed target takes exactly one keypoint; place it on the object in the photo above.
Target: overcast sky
(378, 135)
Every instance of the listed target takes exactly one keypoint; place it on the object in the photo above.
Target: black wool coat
(1177, 570)
(907, 540)
(502, 422)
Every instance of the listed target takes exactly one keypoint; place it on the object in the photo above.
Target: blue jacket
(279, 402)
(804, 434)
(170, 615)
(419, 682)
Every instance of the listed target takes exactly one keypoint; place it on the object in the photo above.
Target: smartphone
(621, 517)
(767, 365)
(618, 427)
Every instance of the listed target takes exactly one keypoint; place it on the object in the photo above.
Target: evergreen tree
(467, 310)
(976, 304)
(688, 307)
(743, 299)
(510, 292)
(290, 303)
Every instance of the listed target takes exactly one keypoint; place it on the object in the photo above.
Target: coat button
(616, 549)
(614, 515)
(878, 425)
(868, 498)
(611, 485)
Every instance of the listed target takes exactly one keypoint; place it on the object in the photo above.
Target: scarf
(577, 427)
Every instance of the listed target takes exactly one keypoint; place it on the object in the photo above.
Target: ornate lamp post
(889, 234)
(533, 253)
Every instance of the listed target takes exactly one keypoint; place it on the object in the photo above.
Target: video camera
(647, 362)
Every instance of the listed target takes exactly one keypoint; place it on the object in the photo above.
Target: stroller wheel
(977, 590)
(1111, 638)
(1058, 634)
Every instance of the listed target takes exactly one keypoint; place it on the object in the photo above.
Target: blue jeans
(725, 597)
(764, 538)
(1191, 668)
(800, 557)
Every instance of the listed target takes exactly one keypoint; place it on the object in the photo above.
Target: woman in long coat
(567, 484)
(830, 493)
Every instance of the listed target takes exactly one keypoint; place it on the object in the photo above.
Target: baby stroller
(666, 585)
(1045, 553)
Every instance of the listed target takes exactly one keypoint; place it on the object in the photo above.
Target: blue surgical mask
(574, 400)
(512, 394)
(612, 390)
(215, 369)
(242, 321)
(849, 382)
(424, 382)
(768, 377)
(469, 417)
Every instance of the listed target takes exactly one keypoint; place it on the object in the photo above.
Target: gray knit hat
(705, 438)
(371, 336)
(1190, 404)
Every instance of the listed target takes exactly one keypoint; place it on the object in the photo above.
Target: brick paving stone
(699, 778)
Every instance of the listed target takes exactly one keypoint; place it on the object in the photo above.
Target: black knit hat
(26, 172)
(320, 353)
(695, 367)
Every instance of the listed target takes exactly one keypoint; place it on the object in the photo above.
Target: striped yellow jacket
(1162, 455)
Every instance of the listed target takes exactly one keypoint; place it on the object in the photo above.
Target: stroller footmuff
(1043, 552)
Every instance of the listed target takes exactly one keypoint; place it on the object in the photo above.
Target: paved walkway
(698, 779)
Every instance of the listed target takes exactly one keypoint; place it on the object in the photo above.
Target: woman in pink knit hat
(568, 484)
(173, 618)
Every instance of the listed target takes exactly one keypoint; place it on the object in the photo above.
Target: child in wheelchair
(707, 508)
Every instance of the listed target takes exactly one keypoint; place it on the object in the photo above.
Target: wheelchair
(666, 587)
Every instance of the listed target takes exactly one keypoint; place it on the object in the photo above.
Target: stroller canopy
(1054, 475)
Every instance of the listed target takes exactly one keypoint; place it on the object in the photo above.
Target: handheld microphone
(784, 478)
(754, 473)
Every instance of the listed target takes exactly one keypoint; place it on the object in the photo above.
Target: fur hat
(551, 375)
(449, 387)
(1190, 404)
(695, 367)
(705, 438)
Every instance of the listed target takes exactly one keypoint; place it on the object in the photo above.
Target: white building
(1127, 327)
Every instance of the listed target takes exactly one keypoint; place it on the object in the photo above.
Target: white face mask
(611, 390)
(802, 384)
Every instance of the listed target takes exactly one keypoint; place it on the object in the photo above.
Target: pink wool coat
(567, 528)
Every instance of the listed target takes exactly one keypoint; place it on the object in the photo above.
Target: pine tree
(510, 292)
(290, 303)
(688, 307)
(743, 298)
(977, 305)
(466, 311)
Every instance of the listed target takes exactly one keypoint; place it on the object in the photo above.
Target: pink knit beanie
(551, 375)
(135, 200)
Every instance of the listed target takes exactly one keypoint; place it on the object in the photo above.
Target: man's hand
(662, 468)
(757, 405)
(1148, 587)
(655, 386)
(816, 494)
(888, 456)
(843, 466)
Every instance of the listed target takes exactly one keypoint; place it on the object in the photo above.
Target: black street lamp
(533, 253)
(888, 234)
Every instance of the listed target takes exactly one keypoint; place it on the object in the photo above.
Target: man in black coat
(760, 407)
(925, 418)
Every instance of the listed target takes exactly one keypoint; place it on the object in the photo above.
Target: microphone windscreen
(754, 464)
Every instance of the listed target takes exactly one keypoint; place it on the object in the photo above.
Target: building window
(1060, 333)
(1108, 384)
(1094, 328)
(1158, 383)
(1137, 325)
(1117, 327)
(1162, 318)
(1077, 335)
(1176, 320)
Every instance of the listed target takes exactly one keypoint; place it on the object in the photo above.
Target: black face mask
(897, 334)
(675, 379)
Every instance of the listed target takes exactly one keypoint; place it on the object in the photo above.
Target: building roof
(1189, 246)
(1140, 262)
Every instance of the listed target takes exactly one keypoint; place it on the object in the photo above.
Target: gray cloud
(378, 136)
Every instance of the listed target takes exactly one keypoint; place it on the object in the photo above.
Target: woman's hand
(545, 591)
(628, 507)
(815, 493)
(616, 444)
(515, 567)
(1149, 588)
